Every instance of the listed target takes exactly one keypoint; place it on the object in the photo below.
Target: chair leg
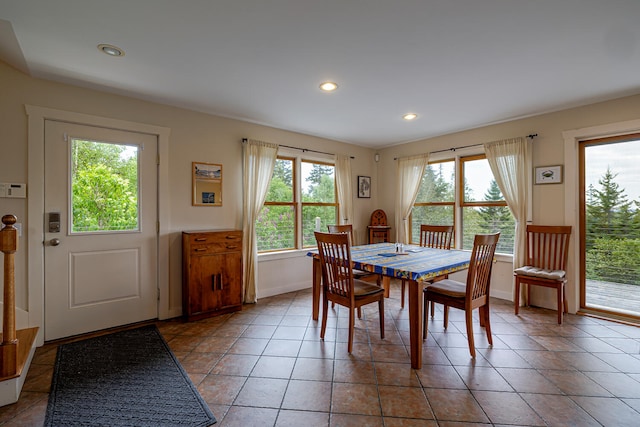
(517, 296)
(446, 316)
(424, 316)
(560, 303)
(381, 315)
(484, 314)
(402, 293)
(425, 322)
(359, 313)
(469, 322)
(351, 328)
(325, 309)
(433, 308)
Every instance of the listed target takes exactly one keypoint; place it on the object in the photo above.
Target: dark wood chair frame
(547, 249)
(432, 236)
(339, 285)
(474, 294)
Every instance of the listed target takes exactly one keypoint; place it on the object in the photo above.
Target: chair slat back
(335, 258)
(548, 246)
(481, 264)
(343, 228)
(436, 236)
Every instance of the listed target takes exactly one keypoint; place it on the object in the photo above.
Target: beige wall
(206, 138)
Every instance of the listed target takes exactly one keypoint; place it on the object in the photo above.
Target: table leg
(415, 323)
(317, 280)
(386, 284)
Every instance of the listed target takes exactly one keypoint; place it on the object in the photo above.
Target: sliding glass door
(610, 226)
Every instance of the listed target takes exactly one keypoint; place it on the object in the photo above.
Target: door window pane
(104, 187)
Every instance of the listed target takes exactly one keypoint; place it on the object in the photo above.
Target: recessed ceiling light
(328, 86)
(110, 50)
(410, 116)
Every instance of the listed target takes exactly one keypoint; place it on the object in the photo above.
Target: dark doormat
(128, 378)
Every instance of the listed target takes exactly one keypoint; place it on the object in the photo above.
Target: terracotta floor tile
(507, 408)
(406, 402)
(608, 411)
(455, 405)
(292, 418)
(242, 416)
(483, 378)
(262, 392)
(575, 383)
(308, 395)
(317, 349)
(354, 371)
(249, 346)
(235, 364)
(282, 347)
(274, 367)
(349, 420)
(355, 399)
(220, 389)
(313, 369)
(440, 376)
(399, 374)
(528, 381)
(559, 410)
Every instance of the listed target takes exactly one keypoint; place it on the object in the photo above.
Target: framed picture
(549, 174)
(206, 184)
(364, 187)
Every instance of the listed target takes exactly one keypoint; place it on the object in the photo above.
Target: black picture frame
(364, 187)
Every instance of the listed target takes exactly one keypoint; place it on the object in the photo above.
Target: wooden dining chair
(339, 285)
(547, 251)
(358, 274)
(432, 236)
(474, 294)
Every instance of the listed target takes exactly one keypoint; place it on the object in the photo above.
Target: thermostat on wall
(18, 191)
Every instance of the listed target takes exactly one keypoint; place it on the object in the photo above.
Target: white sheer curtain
(345, 192)
(408, 176)
(510, 162)
(259, 159)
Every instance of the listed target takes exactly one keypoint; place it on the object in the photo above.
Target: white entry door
(100, 228)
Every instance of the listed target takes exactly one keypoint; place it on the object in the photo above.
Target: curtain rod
(304, 150)
(533, 135)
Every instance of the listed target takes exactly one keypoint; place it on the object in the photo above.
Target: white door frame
(35, 204)
(572, 140)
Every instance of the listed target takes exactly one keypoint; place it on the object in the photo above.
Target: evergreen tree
(608, 210)
(497, 218)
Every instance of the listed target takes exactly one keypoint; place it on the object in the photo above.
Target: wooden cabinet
(211, 273)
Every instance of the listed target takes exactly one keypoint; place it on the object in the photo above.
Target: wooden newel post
(8, 348)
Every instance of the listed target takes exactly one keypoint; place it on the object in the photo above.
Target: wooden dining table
(417, 265)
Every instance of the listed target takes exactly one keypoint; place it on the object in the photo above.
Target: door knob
(54, 242)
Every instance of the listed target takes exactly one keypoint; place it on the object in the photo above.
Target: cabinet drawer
(217, 238)
(215, 247)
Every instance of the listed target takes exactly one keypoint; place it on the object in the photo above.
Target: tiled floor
(266, 366)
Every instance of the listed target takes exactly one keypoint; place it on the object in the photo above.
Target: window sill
(273, 256)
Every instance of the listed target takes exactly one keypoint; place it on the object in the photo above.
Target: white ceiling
(458, 64)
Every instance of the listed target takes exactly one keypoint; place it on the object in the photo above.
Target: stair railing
(9, 346)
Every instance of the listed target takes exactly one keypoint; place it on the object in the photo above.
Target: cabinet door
(206, 271)
(231, 286)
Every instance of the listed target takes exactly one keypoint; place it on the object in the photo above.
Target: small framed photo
(364, 187)
(548, 174)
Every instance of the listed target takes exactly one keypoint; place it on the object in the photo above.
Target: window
(104, 187)
(301, 199)
(480, 207)
(435, 203)
(484, 209)
(275, 225)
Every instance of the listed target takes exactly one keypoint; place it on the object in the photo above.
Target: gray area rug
(128, 378)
